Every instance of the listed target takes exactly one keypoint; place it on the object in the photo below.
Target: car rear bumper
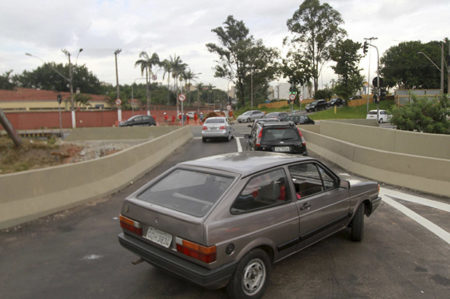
(292, 149)
(211, 279)
(215, 134)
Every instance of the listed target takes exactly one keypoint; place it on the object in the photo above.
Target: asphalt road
(75, 254)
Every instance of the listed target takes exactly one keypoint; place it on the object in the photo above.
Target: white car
(216, 127)
(191, 114)
(383, 116)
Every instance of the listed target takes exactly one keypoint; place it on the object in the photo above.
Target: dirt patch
(34, 154)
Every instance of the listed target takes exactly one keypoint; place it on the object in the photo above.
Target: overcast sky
(181, 27)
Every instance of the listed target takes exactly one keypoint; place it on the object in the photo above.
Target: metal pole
(251, 88)
(60, 120)
(378, 84)
(117, 73)
(10, 129)
(442, 68)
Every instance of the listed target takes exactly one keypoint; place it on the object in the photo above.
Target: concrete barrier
(426, 174)
(32, 194)
(125, 133)
(414, 143)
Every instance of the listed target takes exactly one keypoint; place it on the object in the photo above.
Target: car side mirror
(344, 184)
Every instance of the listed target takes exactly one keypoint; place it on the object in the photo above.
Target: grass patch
(358, 112)
(32, 154)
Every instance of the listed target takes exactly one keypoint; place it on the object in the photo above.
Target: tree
(6, 81)
(50, 76)
(405, 67)
(241, 58)
(167, 67)
(346, 56)
(423, 115)
(315, 28)
(296, 69)
(146, 63)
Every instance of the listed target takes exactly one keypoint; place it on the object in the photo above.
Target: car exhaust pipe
(138, 261)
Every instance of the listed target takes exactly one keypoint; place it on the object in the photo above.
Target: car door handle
(305, 206)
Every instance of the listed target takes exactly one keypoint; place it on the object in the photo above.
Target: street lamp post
(440, 69)
(119, 110)
(378, 79)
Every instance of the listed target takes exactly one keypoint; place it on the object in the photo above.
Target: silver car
(250, 116)
(216, 127)
(224, 220)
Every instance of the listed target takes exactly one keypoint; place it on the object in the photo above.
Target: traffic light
(365, 47)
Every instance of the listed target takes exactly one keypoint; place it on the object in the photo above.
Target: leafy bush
(423, 115)
(323, 94)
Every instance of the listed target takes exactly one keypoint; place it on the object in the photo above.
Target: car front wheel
(357, 226)
(251, 276)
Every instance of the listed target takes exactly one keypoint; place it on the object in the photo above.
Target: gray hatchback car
(224, 220)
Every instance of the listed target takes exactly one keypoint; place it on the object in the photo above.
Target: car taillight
(301, 136)
(199, 252)
(222, 128)
(258, 139)
(130, 225)
(204, 128)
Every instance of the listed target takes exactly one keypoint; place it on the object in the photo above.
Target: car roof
(216, 117)
(279, 124)
(245, 163)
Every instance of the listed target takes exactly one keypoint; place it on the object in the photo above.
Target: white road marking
(92, 257)
(197, 138)
(238, 143)
(415, 199)
(438, 231)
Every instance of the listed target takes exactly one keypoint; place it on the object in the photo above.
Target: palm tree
(178, 67)
(146, 64)
(188, 76)
(167, 66)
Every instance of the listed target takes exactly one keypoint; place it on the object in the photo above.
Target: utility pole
(9, 129)
(448, 69)
(118, 102)
(378, 78)
(442, 68)
(365, 49)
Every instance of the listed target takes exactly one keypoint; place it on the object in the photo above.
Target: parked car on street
(138, 120)
(250, 116)
(336, 102)
(316, 106)
(225, 220)
(282, 116)
(215, 128)
(276, 137)
(300, 119)
(383, 116)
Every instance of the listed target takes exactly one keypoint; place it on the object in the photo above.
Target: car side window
(306, 179)
(262, 191)
(328, 181)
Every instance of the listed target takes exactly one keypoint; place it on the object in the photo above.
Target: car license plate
(282, 149)
(159, 237)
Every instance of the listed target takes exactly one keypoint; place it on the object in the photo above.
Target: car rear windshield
(280, 134)
(187, 191)
(215, 121)
(373, 112)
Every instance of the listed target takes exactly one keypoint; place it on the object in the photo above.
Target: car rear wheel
(249, 120)
(251, 276)
(380, 121)
(203, 139)
(357, 226)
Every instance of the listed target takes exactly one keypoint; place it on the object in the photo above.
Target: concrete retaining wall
(31, 194)
(125, 133)
(431, 175)
(414, 143)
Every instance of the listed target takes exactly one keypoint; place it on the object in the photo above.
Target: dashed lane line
(238, 143)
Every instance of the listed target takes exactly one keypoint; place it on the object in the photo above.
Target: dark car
(276, 137)
(336, 102)
(300, 119)
(225, 220)
(138, 120)
(282, 116)
(316, 105)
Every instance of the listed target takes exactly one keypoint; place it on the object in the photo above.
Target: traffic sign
(292, 97)
(118, 102)
(181, 97)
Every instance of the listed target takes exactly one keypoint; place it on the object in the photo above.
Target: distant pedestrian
(166, 117)
(195, 117)
(201, 116)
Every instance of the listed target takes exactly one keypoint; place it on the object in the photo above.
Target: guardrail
(32, 194)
